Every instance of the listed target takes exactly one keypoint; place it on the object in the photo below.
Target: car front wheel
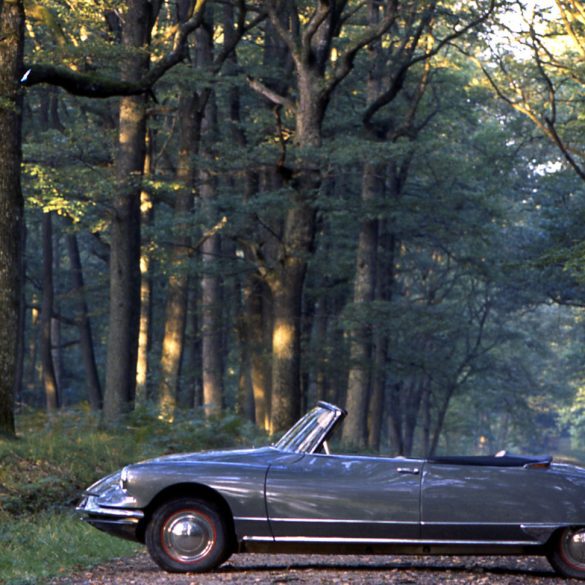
(187, 535)
(567, 554)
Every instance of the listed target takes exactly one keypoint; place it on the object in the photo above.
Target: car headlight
(124, 476)
(103, 485)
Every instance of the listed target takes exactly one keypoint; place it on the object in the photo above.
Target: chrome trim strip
(332, 539)
(527, 526)
(90, 507)
(340, 521)
(540, 531)
(469, 523)
(251, 518)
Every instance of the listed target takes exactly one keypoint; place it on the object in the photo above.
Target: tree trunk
(287, 287)
(382, 358)
(11, 202)
(287, 293)
(190, 393)
(395, 416)
(124, 314)
(254, 323)
(355, 430)
(377, 395)
(94, 390)
(178, 282)
(56, 349)
(50, 386)
(287, 282)
(443, 408)
(211, 326)
(143, 386)
(211, 286)
(21, 334)
(319, 350)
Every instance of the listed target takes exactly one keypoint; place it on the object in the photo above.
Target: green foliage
(484, 225)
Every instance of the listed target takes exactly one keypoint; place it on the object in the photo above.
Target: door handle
(409, 470)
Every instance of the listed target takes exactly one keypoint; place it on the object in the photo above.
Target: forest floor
(343, 570)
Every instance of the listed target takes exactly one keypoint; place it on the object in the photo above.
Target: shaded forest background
(246, 207)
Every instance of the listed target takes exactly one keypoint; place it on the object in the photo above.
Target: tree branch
(99, 86)
(388, 96)
(347, 58)
(269, 94)
(283, 33)
(317, 19)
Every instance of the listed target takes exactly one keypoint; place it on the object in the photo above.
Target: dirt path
(342, 570)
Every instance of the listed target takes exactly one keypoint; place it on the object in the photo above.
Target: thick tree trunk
(286, 347)
(11, 202)
(125, 232)
(287, 281)
(50, 385)
(94, 390)
(21, 335)
(287, 285)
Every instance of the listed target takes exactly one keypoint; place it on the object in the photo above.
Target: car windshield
(311, 430)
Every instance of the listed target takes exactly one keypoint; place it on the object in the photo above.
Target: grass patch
(38, 547)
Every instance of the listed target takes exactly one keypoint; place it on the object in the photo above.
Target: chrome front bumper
(110, 509)
(119, 522)
(89, 508)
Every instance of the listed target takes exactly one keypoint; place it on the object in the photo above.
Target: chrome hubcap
(188, 536)
(574, 542)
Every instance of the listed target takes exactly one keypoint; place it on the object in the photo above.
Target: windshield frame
(308, 433)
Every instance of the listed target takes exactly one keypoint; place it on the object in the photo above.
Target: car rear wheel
(567, 554)
(187, 535)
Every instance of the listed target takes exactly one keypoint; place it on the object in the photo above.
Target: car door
(487, 503)
(345, 498)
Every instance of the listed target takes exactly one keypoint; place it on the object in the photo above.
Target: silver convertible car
(193, 511)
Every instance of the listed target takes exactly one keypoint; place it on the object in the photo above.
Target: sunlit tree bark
(125, 227)
(178, 282)
(143, 385)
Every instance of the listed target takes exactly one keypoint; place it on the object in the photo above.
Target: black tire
(187, 535)
(567, 552)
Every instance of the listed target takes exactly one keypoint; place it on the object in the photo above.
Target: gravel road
(262, 569)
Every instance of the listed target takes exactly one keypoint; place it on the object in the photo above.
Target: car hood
(261, 456)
